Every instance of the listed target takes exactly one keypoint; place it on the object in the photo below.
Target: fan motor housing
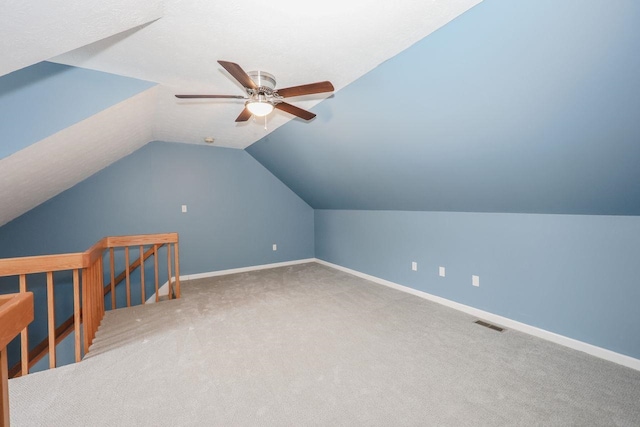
(263, 79)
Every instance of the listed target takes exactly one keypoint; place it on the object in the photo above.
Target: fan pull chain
(265, 122)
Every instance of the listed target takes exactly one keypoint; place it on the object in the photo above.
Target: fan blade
(212, 96)
(319, 87)
(244, 116)
(238, 73)
(292, 109)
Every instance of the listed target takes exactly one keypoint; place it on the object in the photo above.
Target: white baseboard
(591, 349)
(164, 289)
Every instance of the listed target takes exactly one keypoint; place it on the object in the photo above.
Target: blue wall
(574, 275)
(42, 99)
(236, 211)
(515, 106)
(528, 106)
(475, 149)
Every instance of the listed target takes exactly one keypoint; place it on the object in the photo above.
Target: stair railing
(16, 312)
(89, 291)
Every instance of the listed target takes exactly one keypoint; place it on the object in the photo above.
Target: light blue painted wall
(574, 275)
(42, 99)
(515, 106)
(236, 211)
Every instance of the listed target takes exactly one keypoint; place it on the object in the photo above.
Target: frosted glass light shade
(259, 108)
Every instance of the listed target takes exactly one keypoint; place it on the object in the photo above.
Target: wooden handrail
(46, 263)
(65, 329)
(16, 312)
(90, 264)
(40, 264)
(92, 254)
(141, 239)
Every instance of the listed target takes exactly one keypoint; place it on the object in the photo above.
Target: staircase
(133, 352)
(80, 279)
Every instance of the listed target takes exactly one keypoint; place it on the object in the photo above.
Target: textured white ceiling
(31, 32)
(54, 164)
(299, 43)
(333, 40)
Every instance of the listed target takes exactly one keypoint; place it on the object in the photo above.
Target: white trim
(245, 269)
(164, 289)
(591, 349)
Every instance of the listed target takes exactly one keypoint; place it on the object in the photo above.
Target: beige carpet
(309, 345)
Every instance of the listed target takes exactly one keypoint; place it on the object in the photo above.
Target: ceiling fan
(262, 96)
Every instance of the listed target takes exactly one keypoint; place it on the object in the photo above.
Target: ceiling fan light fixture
(259, 108)
(263, 97)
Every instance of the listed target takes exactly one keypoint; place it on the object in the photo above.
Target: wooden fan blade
(244, 116)
(319, 87)
(292, 109)
(211, 96)
(238, 73)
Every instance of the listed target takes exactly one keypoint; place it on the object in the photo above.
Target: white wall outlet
(475, 280)
(414, 266)
(275, 247)
(184, 208)
(441, 271)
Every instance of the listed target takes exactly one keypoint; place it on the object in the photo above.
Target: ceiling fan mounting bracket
(265, 91)
(263, 79)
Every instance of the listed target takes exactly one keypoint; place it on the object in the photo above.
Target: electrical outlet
(441, 271)
(475, 280)
(414, 266)
(275, 247)
(184, 208)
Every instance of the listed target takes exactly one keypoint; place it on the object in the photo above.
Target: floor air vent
(489, 325)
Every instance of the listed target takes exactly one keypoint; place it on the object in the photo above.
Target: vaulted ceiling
(526, 106)
(177, 44)
(174, 46)
(523, 107)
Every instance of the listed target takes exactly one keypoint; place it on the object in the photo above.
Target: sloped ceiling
(175, 45)
(31, 32)
(295, 41)
(60, 161)
(45, 98)
(62, 124)
(528, 106)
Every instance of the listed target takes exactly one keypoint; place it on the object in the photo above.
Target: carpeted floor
(310, 345)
